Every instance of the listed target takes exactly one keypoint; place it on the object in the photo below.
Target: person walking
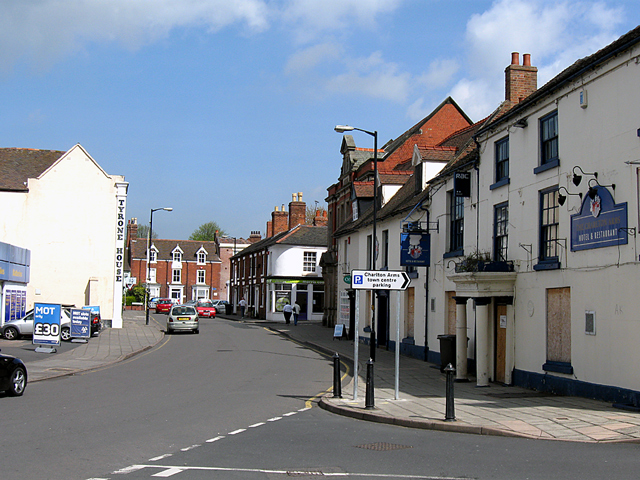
(287, 310)
(296, 312)
(243, 305)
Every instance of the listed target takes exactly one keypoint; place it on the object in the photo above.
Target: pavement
(420, 401)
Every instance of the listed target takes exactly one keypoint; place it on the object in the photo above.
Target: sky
(222, 109)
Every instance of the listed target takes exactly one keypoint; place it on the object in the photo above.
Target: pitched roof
(586, 64)
(165, 248)
(300, 235)
(18, 165)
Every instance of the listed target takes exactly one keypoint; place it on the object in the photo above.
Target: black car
(13, 375)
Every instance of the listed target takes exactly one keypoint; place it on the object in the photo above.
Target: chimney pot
(515, 58)
(526, 60)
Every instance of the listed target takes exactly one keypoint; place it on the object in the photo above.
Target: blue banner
(415, 249)
(80, 323)
(600, 222)
(46, 324)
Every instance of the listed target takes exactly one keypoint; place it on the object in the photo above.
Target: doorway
(501, 344)
(301, 299)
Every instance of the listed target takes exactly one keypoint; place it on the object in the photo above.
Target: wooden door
(409, 319)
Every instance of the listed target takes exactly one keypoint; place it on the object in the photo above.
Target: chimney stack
(279, 221)
(132, 229)
(297, 211)
(320, 219)
(255, 237)
(520, 80)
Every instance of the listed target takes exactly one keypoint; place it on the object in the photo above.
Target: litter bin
(228, 308)
(447, 351)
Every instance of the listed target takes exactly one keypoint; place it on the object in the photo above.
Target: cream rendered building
(70, 214)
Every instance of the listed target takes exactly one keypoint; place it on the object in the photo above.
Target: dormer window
(201, 256)
(153, 255)
(177, 256)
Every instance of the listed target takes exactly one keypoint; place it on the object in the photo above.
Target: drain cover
(383, 446)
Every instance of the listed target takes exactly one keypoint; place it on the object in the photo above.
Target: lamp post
(146, 290)
(374, 134)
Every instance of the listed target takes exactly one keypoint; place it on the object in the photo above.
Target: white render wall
(68, 221)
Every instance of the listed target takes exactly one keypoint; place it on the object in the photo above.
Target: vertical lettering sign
(118, 280)
(462, 184)
(46, 324)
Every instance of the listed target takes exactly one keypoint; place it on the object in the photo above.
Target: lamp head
(168, 209)
(343, 128)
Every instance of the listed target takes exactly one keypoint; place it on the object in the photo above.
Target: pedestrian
(243, 305)
(296, 312)
(287, 310)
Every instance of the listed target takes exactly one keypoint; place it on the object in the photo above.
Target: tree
(207, 232)
(143, 231)
(311, 213)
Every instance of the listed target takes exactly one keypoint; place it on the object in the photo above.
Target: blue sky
(222, 109)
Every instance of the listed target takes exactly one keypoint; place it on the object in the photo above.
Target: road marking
(155, 459)
(170, 470)
(256, 425)
(186, 449)
(129, 469)
(215, 439)
(274, 419)
(240, 430)
(168, 473)
(289, 414)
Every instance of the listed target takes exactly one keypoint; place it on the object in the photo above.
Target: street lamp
(374, 134)
(146, 290)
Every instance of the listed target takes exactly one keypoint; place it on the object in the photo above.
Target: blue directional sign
(46, 324)
(80, 323)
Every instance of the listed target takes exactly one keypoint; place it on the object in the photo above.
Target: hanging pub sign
(415, 249)
(600, 222)
(462, 184)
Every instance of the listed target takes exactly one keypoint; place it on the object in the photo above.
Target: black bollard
(450, 414)
(337, 384)
(369, 396)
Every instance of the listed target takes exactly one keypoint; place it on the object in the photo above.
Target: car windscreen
(205, 304)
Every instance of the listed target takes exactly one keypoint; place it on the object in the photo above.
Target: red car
(163, 305)
(205, 308)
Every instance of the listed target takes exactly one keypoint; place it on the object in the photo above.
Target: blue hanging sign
(600, 222)
(415, 249)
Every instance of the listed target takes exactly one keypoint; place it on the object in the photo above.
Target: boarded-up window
(559, 325)
(410, 295)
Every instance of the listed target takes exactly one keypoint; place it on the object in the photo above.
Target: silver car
(14, 329)
(183, 317)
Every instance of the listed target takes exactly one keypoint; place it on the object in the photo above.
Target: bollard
(369, 397)
(337, 384)
(450, 415)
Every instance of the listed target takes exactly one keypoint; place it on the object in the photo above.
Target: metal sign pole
(398, 347)
(356, 340)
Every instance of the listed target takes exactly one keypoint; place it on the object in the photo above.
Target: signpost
(378, 280)
(46, 326)
(80, 325)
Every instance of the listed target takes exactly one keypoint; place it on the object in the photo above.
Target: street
(238, 401)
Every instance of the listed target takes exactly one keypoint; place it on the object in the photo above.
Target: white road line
(186, 449)
(289, 414)
(172, 470)
(215, 439)
(168, 472)
(274, 419)
(240, 430)
(305, 409)
(257, 425)
(129, 469)
(155, 459)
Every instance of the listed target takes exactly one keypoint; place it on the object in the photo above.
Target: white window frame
(176, 275)
(201, 277)
(309, 265)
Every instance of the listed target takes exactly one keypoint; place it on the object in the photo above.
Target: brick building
(180, 269)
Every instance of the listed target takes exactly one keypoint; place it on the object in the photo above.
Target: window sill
(558, 367)
(552, 265)
(500, 183)
(547, 166)
(455, 253)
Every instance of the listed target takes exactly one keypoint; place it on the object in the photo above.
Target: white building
(70, 214)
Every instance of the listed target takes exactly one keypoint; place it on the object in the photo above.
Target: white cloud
(440, 73)
(311, 57)
(50, 29)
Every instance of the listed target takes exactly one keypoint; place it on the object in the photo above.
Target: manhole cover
(383, 446)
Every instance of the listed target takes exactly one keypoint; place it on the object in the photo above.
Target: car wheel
(65, 334)
(18, 382)
(11, 333)
(197, 330)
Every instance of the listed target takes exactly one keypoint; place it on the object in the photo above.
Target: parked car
(13, 375)
(163, 305)
(152, 302)
(206, 308)
(14, 329)
(183, 317)
(221, 306)
(96, 323)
